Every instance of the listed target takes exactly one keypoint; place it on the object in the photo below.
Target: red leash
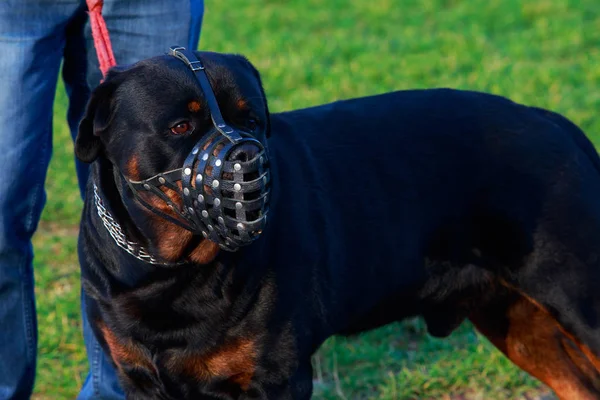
(104, 51)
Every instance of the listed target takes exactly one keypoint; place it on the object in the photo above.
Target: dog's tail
(578, 136)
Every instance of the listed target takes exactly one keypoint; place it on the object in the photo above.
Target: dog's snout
(244, 152)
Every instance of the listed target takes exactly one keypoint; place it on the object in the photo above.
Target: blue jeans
(35, 37)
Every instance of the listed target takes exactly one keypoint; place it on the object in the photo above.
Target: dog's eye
(251, 124)
(181, 128)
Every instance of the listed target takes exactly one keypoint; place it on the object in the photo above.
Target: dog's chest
(234, 362)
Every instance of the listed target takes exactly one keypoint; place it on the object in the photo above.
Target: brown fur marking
(194, 106)
(205, 252)
(235, 361)
(535, 342)
(207, 144)
(171, 237)
(133, 168)
(172, 240)
(125, 351)
(217, 149)
(241, 104)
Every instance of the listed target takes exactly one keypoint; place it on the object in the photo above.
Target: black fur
(439, 203)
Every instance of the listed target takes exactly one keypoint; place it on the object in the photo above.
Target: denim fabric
(35, 37)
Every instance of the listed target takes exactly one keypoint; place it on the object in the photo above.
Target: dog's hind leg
(549, 322)
(532, 339)
(551, 327)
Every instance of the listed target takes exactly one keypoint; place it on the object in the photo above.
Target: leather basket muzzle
(224, 182)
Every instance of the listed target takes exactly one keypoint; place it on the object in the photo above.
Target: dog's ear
(96, 119)
(248, 66)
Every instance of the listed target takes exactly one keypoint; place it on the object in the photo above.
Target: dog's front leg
(298, 387)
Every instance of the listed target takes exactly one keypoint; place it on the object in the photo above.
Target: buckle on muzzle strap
(224, 200)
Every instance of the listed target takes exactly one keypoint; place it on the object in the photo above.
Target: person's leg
(74, 74)
(31, 42)
(141, 29)
(138, 29)
(103, 384)
(197, 7)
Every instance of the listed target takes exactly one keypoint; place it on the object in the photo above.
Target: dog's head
(152, 118)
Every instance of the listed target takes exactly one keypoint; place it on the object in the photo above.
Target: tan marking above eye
(241, 104)
(194, 106)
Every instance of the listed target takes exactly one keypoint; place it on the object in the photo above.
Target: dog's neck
(127, 244)
(150, 238)
(122, 282)
(112, 212)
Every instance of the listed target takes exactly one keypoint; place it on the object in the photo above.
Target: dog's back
(399, 192)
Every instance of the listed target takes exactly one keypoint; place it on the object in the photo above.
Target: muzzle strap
(190, 59)
(153, 187)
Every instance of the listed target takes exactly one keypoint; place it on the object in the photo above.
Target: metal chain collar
(115, 231)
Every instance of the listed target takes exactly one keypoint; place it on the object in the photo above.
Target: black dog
(441, 203)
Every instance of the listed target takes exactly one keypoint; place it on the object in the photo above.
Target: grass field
(539, 52)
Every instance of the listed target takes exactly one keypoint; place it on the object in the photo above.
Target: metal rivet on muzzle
(201, 198)
(161, 180)
(237, 187)
(199, 178)
(146, 186)
(187, 171)
(205, 157)
(205, 213)
(186, 191)
(237, 167)
(238, 206)
(217, 202)
(240, 226)
(215, 184)
(218, 163)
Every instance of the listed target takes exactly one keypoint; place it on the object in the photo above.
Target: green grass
(544, 53)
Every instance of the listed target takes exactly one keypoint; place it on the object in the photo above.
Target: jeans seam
(29, 329)
(96, 370)
(30, 334)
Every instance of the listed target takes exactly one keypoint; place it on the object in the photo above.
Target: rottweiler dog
(445, 204)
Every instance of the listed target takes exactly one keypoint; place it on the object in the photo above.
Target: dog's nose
(244, 152)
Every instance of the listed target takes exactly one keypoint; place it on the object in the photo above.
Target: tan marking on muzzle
(241, 104)
(205, 252)
(133, 168)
